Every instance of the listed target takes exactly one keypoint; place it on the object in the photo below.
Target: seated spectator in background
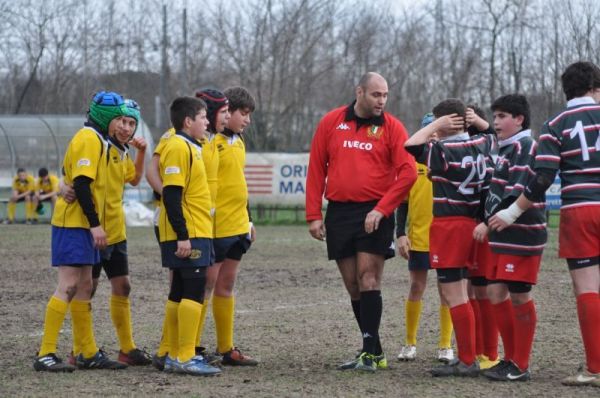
(46, 190)
(22, 190)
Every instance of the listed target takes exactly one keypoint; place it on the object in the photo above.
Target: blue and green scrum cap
(104, 107)
(133, 111)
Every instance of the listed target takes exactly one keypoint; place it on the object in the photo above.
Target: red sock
(588, 311)
(505, 319)
(463, 320)
(478, 326)
(490, 330)
(525, 321)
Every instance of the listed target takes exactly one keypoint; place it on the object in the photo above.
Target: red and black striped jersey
(357, 162)
(460, 168)
(512, 173)
(570, 143)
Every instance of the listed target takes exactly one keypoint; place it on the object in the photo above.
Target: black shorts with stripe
(346, 236)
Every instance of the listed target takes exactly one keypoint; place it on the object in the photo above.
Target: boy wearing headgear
(113, 259)
(77, 236)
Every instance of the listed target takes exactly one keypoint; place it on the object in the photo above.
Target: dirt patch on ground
(292, 314)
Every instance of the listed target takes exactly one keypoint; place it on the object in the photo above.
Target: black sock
(370, 316)
(356, 309)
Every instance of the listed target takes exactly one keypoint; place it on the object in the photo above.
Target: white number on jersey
(585, 150)
(477, 167)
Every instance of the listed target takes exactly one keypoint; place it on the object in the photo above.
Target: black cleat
(99, 361)
(52, 363)
(159, 361)
(510, 372)
(456, 368)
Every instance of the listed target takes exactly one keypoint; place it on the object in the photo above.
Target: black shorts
(448, 275)
(346, 236)
(203, 254)
(232, 247)
(113, 260)
(418, 261)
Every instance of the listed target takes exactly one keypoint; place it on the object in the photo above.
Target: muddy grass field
(292, 314)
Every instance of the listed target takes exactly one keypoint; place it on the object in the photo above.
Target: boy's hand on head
(474, 120)
(449, 123)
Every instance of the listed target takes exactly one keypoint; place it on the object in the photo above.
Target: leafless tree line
(299, 57)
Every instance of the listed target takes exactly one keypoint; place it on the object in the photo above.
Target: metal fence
(34, 141)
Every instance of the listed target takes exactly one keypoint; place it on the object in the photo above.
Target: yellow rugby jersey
(420, 211)
(23, 186)
(47, 186)
(210, 155)
(120, 170)
(86, 156)
(163, 141)
(231, 216)
(181, 165)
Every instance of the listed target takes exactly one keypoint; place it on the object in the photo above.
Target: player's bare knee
(417, 288)
(68, 290)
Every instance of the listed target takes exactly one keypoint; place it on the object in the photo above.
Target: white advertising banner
(276, 178)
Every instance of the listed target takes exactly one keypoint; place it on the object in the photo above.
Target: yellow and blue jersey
(86, 156)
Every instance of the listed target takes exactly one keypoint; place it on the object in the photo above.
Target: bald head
(366, 79)
(371, 95)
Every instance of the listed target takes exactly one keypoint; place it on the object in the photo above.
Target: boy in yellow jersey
(414, 247)
(46, 190)
(113, 259)
(23, 187)
(185, 231)
(77, 235)
(211, 163)
(234, 231)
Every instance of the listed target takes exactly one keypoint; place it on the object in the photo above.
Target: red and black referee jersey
(460, 172)
(513, 172)
(358, 160)
(570, 142)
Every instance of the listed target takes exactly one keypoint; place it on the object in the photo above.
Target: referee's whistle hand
(372, 221)
(317, 229)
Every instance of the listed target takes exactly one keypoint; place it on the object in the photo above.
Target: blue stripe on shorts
(73, 246)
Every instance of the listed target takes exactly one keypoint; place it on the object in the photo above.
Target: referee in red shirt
(358, 160)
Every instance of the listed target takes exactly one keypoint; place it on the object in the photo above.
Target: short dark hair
(42, 172)
(450, 106)
(239, 98)
(183, 107)
(579, 78)
(516, 105)
(20, 170)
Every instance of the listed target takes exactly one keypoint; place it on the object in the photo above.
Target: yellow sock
(223, 312)
(163, 347)
(11, 209)
(445, 327)
(29, 210)
(189, 316)
(83, 329)
(56, 309)
(173, 327)
(413, 314)
(202, 319)
(120, 313)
